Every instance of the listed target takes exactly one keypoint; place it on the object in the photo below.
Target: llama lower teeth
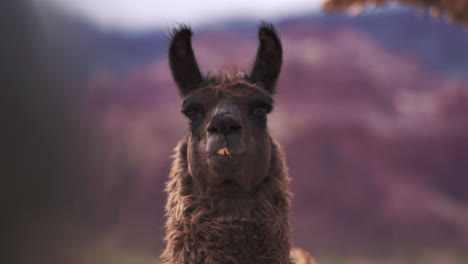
(223, 151)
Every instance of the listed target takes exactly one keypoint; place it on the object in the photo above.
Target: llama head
(229, 148)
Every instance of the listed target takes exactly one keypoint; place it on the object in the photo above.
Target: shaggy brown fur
(228, 198)
(255, 231)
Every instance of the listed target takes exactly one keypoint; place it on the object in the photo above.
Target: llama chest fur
(213, 230)
(234, 241)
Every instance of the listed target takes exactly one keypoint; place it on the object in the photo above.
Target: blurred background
(371, 110)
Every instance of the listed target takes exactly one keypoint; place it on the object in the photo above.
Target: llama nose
(224, 124)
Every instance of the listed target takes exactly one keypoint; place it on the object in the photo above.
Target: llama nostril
(212, 129)
(224, 124)
(235, 127)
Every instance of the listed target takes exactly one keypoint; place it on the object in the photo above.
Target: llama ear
(269, 58)
(182, 61)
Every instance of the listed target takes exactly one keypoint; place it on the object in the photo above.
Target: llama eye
(192, 109)
(261, 111)
(260, 106)
(192, 114)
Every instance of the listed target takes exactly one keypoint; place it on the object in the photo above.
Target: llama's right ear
(182, 61)
(269, 58)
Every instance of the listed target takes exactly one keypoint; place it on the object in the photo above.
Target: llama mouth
(224, 152)
(225, 160)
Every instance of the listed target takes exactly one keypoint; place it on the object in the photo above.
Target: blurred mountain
(437, 43)
(375, 135)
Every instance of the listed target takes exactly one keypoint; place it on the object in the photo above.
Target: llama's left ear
(182, 61)
(269, 58)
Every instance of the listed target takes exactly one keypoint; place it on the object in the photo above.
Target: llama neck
(254, 230)
(216, 241)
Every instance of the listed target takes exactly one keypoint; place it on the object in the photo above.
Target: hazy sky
(141, 15)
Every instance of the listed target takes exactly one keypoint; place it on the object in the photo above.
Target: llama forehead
(226, 77)
(240, 93)
(224, 103)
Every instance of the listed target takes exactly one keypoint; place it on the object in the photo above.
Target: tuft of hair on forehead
(229, 77)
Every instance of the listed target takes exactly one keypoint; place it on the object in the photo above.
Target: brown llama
(228, 197)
